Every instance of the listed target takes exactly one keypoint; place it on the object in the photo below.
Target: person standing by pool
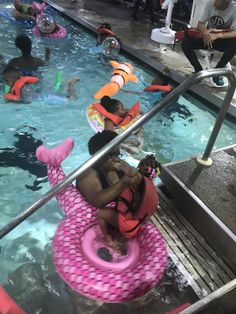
(27, 61)
(218, 28)
(107, 180)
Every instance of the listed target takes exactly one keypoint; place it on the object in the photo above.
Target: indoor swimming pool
(179, 131)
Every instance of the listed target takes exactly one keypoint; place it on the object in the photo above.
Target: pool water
(179, 131)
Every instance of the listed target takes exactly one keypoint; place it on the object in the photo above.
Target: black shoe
(218, 80)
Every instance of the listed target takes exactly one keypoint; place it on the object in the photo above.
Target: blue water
(180, 131)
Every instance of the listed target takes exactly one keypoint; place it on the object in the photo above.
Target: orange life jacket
(15, 92)
(147, 206)
(7, 305)
(118, 121)
(160, 88)
(193, 32)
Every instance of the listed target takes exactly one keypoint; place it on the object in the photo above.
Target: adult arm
(211, 37)
(91, 188)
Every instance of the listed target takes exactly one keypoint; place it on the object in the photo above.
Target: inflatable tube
(7, 305)
(121, 75)
(39, 7)
(58, 81)
(160, 88)
(7, 14)
(96, 121)
(60, 33)
(82, 258)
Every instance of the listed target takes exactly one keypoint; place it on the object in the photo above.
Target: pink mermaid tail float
(82, 258)
(39, 7)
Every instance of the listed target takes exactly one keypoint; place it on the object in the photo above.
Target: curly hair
(99, 140)
(111, 105)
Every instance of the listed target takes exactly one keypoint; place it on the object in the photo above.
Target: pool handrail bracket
(158, 106)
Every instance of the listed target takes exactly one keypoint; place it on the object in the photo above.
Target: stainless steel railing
(146, 117)
(215, 296)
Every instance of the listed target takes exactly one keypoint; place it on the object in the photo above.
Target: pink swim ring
(78, 239)
(60, 33)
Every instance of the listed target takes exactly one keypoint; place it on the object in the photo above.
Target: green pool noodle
(58, 81)
(7, 89)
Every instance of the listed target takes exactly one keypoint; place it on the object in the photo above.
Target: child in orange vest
(21, 89)
(116, 108)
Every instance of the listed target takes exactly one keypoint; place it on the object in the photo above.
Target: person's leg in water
(71, 92)
(108, 222)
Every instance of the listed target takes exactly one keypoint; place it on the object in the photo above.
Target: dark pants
(149, 5)
(228, 46)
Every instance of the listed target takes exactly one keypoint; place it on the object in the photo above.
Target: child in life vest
(22, 88)
(114, 107)
(160, 84)
(134, 205)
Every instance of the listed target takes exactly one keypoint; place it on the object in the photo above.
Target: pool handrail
(209, 299)
(158, 106)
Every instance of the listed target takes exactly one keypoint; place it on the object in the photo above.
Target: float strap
(118, 121)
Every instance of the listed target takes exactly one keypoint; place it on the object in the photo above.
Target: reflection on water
(37, 287)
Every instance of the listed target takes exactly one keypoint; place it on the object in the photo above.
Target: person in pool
(27, 61)
(115, 107)
(23, 11)
(161, 79)
(22, 87)
(108, 180)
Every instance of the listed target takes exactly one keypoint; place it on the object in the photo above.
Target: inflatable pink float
(60, 33)
(82, 258)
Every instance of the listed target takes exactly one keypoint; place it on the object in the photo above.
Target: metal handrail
(208, 300)
(146, 117)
